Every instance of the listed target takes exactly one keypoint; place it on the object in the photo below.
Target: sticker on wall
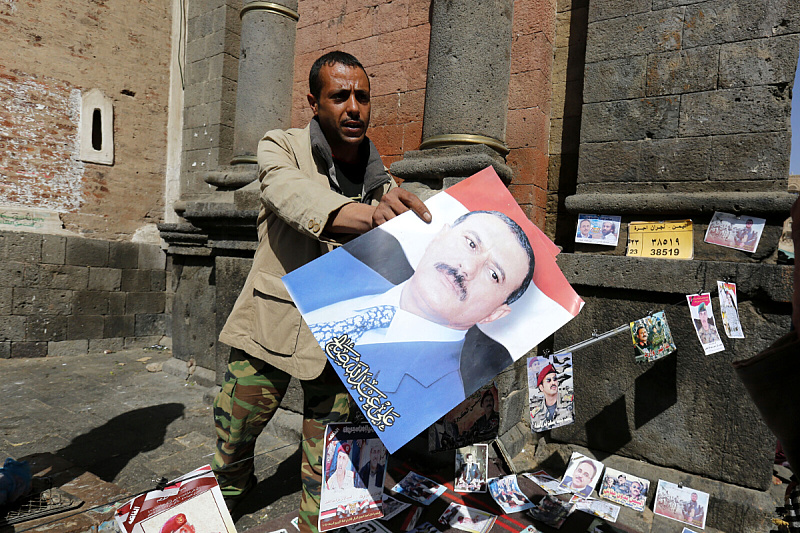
(661, 239)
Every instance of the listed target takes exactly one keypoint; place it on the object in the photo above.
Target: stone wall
(51, 55)
(65, 295)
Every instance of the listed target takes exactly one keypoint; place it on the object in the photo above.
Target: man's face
(703, 318)
(582, 475)
(469, 458)
(641, 335)
(586, 226)
(466, 274)
(488, 404)
(549, 386)
(636, 490)
(694, 497)
(374, 458)
(343, 106)
(607, 228)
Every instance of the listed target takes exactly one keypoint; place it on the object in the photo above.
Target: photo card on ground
(467, 519)
(548, 483)
(605, 510)
(729, 307)
(598, 229)
(506, 492)
(703, 320)
(652, 338)
(188, 501)
(738, 232)
(419, 488)
(625, 489)
(471, 468)
(476, 419)
(551, 511)
(681, 503)
(581, 475)
(550, 391)
(392, 507)
(354, 460)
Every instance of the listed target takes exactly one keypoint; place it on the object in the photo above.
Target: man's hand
(399, 201)
(360, 218)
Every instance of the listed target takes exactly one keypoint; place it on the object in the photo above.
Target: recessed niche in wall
(97, 128)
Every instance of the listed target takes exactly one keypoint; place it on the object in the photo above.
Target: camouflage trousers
(250, 395)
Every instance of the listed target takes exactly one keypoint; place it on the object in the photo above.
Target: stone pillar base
(232, 177)
(438, 168)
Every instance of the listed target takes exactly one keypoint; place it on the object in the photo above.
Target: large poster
(415, 317)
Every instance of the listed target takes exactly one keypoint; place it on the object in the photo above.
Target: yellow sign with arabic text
(661, 240)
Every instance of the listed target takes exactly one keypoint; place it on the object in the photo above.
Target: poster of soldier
(652, 338)
(188, 502)
(741, 233)
(703, 319)
(550, 391)
(354, 469)
(605, 510)
(548, 483)
(419, 488)
(475, 419)
(729, 307)
(581, 475)
(416, 317)
(507, 494)
(598, 229)
(551, 511)
(467, 519)
(681, 503)
(628, 490)
(471, 468)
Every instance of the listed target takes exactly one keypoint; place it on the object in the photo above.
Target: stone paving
(112, 419)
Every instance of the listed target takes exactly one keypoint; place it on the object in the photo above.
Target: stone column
(466, 97)
(264, 89)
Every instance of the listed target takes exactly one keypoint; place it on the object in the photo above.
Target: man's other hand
(399, 201)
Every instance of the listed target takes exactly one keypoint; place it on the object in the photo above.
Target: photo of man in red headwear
(550, 387)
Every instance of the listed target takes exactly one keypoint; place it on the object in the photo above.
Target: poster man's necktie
(355, 326)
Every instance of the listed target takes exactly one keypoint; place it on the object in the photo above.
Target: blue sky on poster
(794, 165)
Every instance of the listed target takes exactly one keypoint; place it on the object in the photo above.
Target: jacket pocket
(277, 319)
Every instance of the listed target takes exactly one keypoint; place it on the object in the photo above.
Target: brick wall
(52, 52)
(391, 39)
(63, 295)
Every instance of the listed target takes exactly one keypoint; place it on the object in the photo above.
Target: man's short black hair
(336, 57)
(486, 394)
(522, 239)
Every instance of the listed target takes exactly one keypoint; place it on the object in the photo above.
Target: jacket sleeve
(303, 202)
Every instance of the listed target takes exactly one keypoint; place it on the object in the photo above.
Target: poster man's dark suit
(363, 476)
(420, 375)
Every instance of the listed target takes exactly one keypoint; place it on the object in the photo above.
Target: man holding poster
(319, 186)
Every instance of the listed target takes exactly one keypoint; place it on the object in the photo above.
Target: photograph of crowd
(551, 511)
(731, 231)
(681, 503)
(625, 489)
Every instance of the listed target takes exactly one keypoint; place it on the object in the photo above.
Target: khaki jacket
(296, 202)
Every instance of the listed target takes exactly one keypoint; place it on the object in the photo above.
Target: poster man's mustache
(458, 278)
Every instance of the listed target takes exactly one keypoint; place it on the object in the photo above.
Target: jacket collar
(375, 173)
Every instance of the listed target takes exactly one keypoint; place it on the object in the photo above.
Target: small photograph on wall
(598, 229)
(550, 391)
(471, 468)
(652, 338)
(703, 319)
(729, 307)
(681, 503)
(731, 231)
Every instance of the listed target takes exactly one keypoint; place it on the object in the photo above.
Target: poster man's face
(549, 386)
(694, 496)
(608, 227)
(636, 489)
(374, 458)
(488, 404)
(583, 475)
(467, 273)
(703, 319)
(586, 227)
(341, 461)
(641, 335)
